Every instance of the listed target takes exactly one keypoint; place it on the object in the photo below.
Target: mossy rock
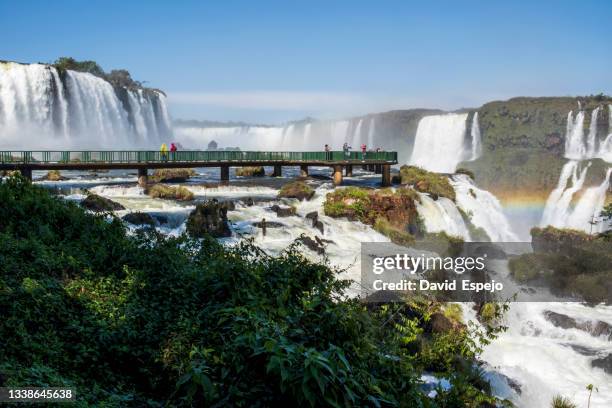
(209, 218)
(250, 171)
(284, 211)
(467, 172)
(96, 203)
(172, 175)
(139, 218)
(170, 193)
(551, 239)
(297, 189)
(54, 175)
(427, 182)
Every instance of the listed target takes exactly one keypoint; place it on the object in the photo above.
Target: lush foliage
(145, 320)
(427, 182)
(569, 262)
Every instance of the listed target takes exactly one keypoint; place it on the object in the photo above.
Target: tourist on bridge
(173, 147)
(346, 149)
(327, 152)
(164, 151)
(364, 148)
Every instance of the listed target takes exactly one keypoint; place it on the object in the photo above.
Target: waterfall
(371, 131)
(438, 144)
(41, 108)
(591, 142)
(357, 136)
(559, 211)
(442, 215)
(476, 139)
(340, 133)
(574, 136)
(577, 147)
(605, 148)
(484, 208)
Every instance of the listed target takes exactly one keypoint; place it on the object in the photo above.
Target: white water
(579, 147)
(371, 131)
(484, 209)
(442, 215)
(356, 141)
(39, 110)
(439, 143)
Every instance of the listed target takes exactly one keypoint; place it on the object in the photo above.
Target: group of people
(164, 150)
(347, 151)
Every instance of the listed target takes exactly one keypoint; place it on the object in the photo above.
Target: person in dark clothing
(327, 152)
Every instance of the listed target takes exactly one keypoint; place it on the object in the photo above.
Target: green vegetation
(559, 401)
(253, 171)
(119, 78)
(427, 182)
(147, 320)
(297, 189)
(569, 262)
(171, 193)
(524, 141)
(467, 172)
(172, 175)
(396, 235)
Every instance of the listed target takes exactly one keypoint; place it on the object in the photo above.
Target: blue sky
(268, 62)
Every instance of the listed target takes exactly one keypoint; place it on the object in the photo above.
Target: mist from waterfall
(41, 108)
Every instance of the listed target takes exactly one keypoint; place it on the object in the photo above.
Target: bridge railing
(141, 156)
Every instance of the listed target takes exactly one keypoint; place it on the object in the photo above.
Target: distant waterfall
(562, 212)
(476, 139)
(371, 131)
(581, 147)
(355, 143)
(440, 142)
(41, 108)
(484, 208)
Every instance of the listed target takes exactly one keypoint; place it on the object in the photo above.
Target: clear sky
(268, 62)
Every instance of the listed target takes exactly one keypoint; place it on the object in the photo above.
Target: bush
(147, 320)
(172, 175)
(297, 189)
(171, 193)
(427, 182)
(559, 401)
(253, 171)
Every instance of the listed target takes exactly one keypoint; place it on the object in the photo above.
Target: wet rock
(283, 211)
(269, 224)
(585, 351)
(604, 363)
(297, 189)
(139, 218)
(162, 219)
(594, 328)
(230, 205)
(314, 218)
(317, 245)
(319, 225)
(172, 175)
(209, 218)
(249, 202)
(314, 215)
(96, 203)
(53, 175)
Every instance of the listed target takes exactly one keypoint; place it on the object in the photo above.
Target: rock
(297, 189)
(139, 218)
(319, 225)
(250, 171)
(314, 215)
(283, 211)
(249, 202)
(209, 218)
(439, 323)
(604, 363)
(230, 205)
(585, 351)
(269, 224)
(54, 175)
(162, 219)
(171, 193)
(595, 328)
(96, 203)
(172, 175)
(315, 245)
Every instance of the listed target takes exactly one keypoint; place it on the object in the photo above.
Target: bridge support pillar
(143, 177)
(378, 168)
(26, 172)
(278, 170)
(224, 174)
(349, 170)
(364, 167)
(386, 175)
(304, 170)
(337, 175)
(370, 167)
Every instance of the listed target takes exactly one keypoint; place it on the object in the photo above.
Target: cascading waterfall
(76, 109)
(371, 131)
(442, 215)
(569, 205)
(484, 209)
(439, 142)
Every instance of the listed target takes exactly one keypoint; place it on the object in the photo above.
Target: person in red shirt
(172, 147)
(363, 151)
